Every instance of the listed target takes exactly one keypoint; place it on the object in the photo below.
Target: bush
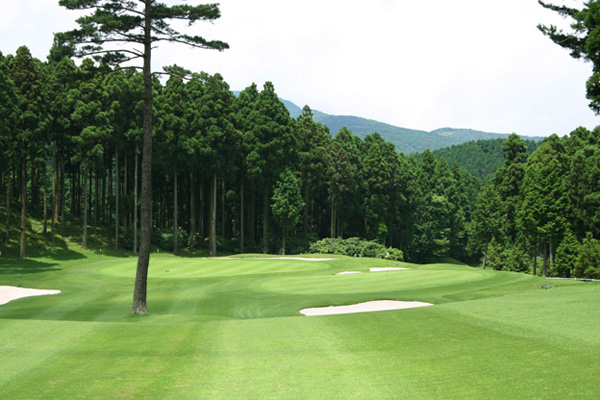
(356, 247)
(566, 256)
(588, 262)
(516, 260)
(496, 259)
(163, 239)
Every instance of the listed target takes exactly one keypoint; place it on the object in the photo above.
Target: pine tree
(142, 24)
(172, 128)
(313, 140)
(9, 117)
(583, 41)
(544, 207)
(287, 203)
(343, 163)
(486, 222)
(271, 148)
(32, 122)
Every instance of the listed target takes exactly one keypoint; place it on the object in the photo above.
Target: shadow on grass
(17, 266)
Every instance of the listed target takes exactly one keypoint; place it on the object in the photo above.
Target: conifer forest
(235, 173)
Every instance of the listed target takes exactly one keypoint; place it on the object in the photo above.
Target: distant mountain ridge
(407, 141)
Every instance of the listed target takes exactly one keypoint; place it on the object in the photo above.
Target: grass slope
(230, 329)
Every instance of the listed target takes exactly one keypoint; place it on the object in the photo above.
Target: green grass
(231, 329)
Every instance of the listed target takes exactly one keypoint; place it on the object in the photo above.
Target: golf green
(231, 329)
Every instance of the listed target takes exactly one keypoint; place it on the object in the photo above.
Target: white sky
(479, 64)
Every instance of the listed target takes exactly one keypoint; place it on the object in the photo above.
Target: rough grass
(230, 329)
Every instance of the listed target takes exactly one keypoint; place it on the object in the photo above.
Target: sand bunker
(382, 269)
(369, 306)
(8, 293)
(274, 258)
(374, 269)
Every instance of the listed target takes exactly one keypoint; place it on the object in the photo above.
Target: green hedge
(356, 247)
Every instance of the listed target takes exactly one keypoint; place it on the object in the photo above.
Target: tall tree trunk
(23, 206)
(333, 217)
(85, 208)
(62, 193)
(117, 200)
(242, 216)
(96, 200)
(135, 201)
(485, 253)
(212, 237)
(200, 212)
(192, 210)
(54, 197)
(535, 250)
(253, 214)
(35, 193)
(545, 263)
(45, 231)
(125, 192)
(109, 178)
(7, 226)
(265, 220)
(283, 244)
(103, 198)
(90, 176)
(141, 278)
(305, 216)
(551, 252)
(223, 207)
(175, 227)
(73, 192)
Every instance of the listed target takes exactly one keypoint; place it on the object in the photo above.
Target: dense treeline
(239, 174)
(482, 158)
(546, 204)
(225, 167)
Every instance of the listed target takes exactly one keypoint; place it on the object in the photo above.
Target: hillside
(407, 141)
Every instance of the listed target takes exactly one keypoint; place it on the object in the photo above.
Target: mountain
(407, 141)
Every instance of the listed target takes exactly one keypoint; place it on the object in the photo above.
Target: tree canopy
(583, 40)
(118, 31)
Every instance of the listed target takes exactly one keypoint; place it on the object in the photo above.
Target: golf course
(231, 328)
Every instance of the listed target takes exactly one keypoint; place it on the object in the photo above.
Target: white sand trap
(8, 293)
(285, 258)
(369, 306)
(381, 269)
(349, 272)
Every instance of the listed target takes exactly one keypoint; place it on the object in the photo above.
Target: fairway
(201, 267)
(231, 329)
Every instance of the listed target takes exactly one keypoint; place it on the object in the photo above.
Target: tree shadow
(63, 254)
(11, 265)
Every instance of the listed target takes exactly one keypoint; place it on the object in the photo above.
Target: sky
(478, 64)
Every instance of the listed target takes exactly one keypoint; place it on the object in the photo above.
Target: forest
(238, 174)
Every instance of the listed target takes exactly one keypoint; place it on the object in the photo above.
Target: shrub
(588, 262)
(566, 256)
(496, 259)
(163, 239)
(516, 260)
(355, 247)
